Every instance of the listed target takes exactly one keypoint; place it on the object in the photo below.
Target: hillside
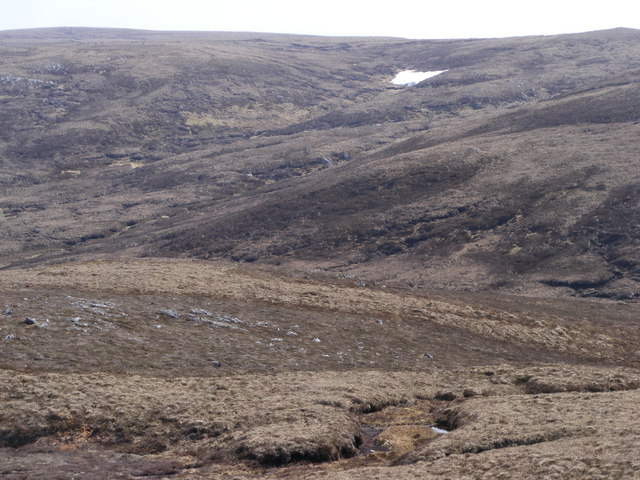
(250, 256)
(516, 169)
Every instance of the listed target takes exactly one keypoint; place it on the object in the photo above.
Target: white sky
(408, 18)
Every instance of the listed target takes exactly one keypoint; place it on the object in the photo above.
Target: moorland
(238, 255)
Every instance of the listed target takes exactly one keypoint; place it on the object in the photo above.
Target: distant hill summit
(515, 169)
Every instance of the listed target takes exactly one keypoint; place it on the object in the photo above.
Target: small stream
(369, 445)
(369, 435)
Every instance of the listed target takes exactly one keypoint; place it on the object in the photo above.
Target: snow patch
(409, 78)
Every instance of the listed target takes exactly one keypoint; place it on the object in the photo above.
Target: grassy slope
(514, 170)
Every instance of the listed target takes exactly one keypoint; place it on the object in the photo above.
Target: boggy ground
(185, 369)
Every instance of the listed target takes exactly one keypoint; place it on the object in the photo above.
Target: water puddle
(369, 444)
(439, 431)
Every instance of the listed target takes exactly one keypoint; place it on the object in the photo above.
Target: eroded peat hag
(242, 256)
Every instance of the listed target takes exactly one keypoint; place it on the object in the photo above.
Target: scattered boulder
(30, 321)
(214, 323)
(169, 313)
(228, 318)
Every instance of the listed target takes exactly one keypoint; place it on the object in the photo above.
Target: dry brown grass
(225, 280)
(272, 419)
(139, 389)
(597, 457)
(483, 424)
(278, 419)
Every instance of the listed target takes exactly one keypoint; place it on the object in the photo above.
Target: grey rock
(213, 323)
(8, 311)
(228, 318)
(169, 313)
(327, 161)
(30, 321)
(100, 305)
(200, 311)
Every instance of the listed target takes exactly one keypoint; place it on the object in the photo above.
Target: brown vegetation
(371, 261)
(169, 361)
(515, 170)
